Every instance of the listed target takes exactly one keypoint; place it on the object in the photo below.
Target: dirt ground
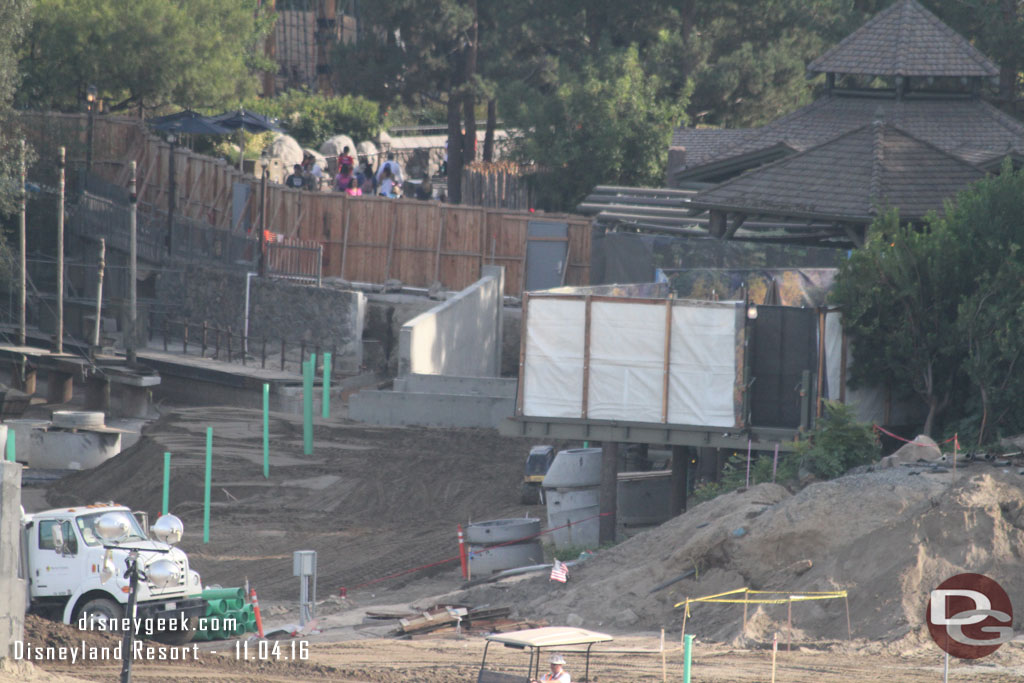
(380, 506)
(454, 659)
(372, 501)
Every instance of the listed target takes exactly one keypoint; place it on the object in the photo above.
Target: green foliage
(311, 118)
(143, 53)
(836, 444)
(13, 18)
(608, 125)
(936, 309)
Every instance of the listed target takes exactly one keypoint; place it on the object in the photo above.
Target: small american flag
(559, 572)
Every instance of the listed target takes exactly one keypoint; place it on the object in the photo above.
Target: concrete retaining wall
(470, 408)
(12, 588)
(328, 316)
(460, 337)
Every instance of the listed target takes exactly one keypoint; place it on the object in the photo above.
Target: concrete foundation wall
(461, 337)
(429, 409)
(278, 309)
(12, 588)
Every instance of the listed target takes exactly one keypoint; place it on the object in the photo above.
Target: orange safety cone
(256, 612)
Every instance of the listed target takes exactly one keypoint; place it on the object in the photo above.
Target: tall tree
(609, 124)
(14, 19)
(936, 308)
(143, 54)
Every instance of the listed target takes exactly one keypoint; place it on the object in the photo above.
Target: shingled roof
(970, 129)
(850, 178)
(905, 40)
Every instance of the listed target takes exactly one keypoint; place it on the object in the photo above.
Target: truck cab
(537, 463)
(63, 557)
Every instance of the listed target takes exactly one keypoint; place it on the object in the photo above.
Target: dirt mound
(888, 537)
(372, 501)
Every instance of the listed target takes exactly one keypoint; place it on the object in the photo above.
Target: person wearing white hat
(558, 673)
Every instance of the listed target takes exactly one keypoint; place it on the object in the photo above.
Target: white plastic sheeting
(627, 361)
(553, 375)
(703, 372)
(626, 376)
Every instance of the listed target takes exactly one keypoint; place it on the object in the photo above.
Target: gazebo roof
(970, 129)
(849, 179)
(905, 40)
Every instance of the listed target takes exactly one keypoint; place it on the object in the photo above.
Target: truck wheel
(176, 637)
(100, 611)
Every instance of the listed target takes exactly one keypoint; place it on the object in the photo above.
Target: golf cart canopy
(549, 636)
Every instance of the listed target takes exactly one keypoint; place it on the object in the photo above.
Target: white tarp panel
(553, 373)
(833, 352)
(627, 361)
(702, 373)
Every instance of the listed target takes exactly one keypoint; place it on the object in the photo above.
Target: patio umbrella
(249, 121)
(188, 121)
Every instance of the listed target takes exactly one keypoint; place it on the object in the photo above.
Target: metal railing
(103, 211)
(225, 344)
(296, 260)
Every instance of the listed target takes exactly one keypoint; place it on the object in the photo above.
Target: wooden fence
(500, 185)
(365, 239)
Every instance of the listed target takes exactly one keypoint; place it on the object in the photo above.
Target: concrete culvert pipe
(502, 530)
(73, 419)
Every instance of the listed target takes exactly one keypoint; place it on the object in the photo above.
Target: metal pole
(172, 190)
(129, 633)
(21, 250)
(132, 262)
(266, 431)
(326, 401)
(20, 246)
(60, 252)
(263, 223)
(99, 297)
(88, 143)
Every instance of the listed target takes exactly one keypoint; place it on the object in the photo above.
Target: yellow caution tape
(789, 597)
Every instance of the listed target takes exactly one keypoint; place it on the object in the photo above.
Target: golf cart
(535, 640)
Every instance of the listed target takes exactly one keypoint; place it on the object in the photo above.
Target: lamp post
(171, 199)
(90, 102)
(263, 216)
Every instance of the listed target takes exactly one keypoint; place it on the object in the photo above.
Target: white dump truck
(73, 572)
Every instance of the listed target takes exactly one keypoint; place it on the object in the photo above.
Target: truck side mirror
(57, 534)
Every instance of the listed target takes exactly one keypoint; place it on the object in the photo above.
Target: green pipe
(10, 444)
(216, 607)
(167, 480)
(687, 657)
(307, 404)
(223, 594)
(239, 628)
(206, 487)
(234, 604)
(266, 431)
(326, 402)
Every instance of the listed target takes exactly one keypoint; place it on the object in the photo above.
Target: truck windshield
(537, 463)
(87, 525)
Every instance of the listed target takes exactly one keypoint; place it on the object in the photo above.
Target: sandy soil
(452, 659)
(375, 502)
